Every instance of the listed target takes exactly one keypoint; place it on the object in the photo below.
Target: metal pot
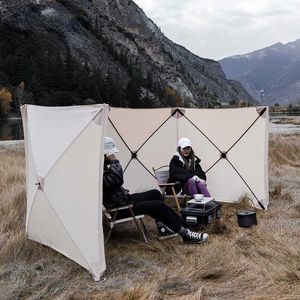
(246, 218)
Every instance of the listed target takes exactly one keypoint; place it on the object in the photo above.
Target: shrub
(5, 102)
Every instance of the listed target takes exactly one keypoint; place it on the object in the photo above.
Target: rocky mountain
(107, 50)
(270, 74)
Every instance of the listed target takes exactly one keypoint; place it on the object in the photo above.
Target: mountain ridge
(116, 43)
(269, 74)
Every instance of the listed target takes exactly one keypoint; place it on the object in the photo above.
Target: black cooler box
(195, 215)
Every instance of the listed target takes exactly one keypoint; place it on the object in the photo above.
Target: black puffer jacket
(179, 173)
(114, 194)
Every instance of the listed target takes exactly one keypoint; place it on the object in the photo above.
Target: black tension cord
(213, 165)
(113, 125)
(177, 110)
(146, 142)
(260, 204)
(260, 114)
(153, 133)
(203, 134)
(134, 153)
(145, 168)
(209, 141)
(223, 154)
(134, 156)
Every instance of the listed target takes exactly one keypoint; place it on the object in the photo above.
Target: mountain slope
(274, 69)
(119, 53)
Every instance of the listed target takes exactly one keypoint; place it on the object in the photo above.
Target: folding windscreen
(64, 167)
(232, 143)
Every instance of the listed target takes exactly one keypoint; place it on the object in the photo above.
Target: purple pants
(192, 187)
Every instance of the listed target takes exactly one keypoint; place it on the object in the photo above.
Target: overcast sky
(219, 28)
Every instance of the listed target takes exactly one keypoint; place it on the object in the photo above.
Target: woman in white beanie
(186, 170)
(150, 202)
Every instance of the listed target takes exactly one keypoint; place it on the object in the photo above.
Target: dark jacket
(180, 174)
(114, 194)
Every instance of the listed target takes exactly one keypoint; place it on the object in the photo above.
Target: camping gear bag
(196, 215)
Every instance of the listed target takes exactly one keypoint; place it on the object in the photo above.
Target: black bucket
(246, 218)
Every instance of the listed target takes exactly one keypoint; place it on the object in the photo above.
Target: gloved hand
(196, 178)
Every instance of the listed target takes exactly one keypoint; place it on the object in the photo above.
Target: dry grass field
(262, 262)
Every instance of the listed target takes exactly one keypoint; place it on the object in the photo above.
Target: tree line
(35, 70)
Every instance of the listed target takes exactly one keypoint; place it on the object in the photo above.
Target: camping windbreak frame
(64, 164)
(64, 169)
(232, 145)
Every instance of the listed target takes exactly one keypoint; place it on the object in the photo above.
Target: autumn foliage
(5, 102)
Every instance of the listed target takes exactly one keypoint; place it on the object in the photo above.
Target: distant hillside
(75, 51)
(275, 70)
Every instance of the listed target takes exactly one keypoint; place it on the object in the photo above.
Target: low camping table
(199, 213)
(200, 203)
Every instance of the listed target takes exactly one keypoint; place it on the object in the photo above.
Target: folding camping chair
(112, 214)
(162, 176)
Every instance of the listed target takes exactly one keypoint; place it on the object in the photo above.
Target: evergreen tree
(133, 93)
(36, 89)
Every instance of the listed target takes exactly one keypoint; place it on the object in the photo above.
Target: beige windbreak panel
(64, 167)
(232, 145)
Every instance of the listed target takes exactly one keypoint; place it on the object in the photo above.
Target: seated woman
(150, 202)
(185, 168)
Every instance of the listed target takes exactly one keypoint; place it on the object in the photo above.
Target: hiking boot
(192, 237)
(165, 232)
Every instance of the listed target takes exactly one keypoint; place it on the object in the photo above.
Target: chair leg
(176, 199)
(144, 226)
(108, 236)
(148, 231)
(111, 226)
(137, 224)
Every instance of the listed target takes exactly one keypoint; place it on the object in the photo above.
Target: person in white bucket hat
(109, 146)
(151, 202)
(185, 169)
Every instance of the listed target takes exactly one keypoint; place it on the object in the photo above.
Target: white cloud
(216, 29)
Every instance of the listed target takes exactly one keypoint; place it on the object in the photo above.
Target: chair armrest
(120, 208)
(167, 184)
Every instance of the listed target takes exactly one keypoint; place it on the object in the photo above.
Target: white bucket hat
(109, 146)
(184, 142)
